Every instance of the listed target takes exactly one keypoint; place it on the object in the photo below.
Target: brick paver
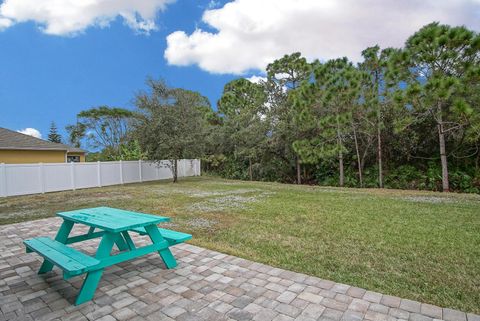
(206, 285)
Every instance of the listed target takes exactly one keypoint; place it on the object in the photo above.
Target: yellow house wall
(31, 156)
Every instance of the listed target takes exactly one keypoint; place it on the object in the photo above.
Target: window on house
(73, 159)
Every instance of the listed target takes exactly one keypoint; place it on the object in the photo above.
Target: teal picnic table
(113, 227)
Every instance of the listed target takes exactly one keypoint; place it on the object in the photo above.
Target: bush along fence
(22, 179)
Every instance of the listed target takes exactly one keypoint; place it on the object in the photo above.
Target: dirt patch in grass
(430, 199)
(228, 202)
(201, 223)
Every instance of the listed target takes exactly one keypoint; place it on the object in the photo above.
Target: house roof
(10, 139)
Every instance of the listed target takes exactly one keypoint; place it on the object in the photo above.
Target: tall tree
(285, 75)
(106, 127)
(171, 123)
(53, 134)
(326, 112)
(472, 97)
(244, 112)
(377, 96)
(433, 63)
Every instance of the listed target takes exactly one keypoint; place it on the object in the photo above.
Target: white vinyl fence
(21, 179)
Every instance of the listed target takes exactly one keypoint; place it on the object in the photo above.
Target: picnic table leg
(120, 243)
(93, 278)
(165, 254)
(62, 236)
(129, 240)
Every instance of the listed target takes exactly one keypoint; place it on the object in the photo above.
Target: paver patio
(207, 285)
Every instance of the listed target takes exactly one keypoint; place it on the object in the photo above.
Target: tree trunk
(340, 165)
(360, 176)
(443, 155)
(477, 162)
(299, 171)
(379, 152)
(250, 169)
(340, 154)
(175, 170)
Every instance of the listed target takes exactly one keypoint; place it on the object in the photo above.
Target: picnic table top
(112, 219)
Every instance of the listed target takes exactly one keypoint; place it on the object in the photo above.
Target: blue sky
(61, 57)
(46, 78)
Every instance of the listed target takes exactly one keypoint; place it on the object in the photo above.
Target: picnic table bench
(112, 226)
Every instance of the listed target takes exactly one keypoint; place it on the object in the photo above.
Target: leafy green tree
(53, 135)
(106, 127)
(243, 108)
(131, 151)
(472, 96)
(377, 96)
(289, 72)
(170, 124)
(433, 64)
(76, 133)
(326, 112)
(285, 75)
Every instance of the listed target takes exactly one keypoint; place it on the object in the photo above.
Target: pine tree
(326, 112)
(53, 135)
(376, 96)
(435, 62)
(285, 75)
(243, 107)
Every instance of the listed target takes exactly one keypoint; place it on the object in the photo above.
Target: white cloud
(256, 79)
(31, 132)
(5, 23)
(69, 17)
(250, 33)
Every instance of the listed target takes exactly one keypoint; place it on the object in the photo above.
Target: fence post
(72, 174)
(140, 170)
(41, 177)
(199, 164)
(3, 180)
(99, 174)
(121, 172)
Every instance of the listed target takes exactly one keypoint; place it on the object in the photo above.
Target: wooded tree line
(401, 118)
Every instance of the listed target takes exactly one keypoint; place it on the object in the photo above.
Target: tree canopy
(104, 128)
(171, 123)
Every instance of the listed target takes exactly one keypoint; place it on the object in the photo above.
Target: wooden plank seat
(172, 237)
(71, 261)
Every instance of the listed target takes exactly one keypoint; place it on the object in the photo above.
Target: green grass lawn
(419, 245)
